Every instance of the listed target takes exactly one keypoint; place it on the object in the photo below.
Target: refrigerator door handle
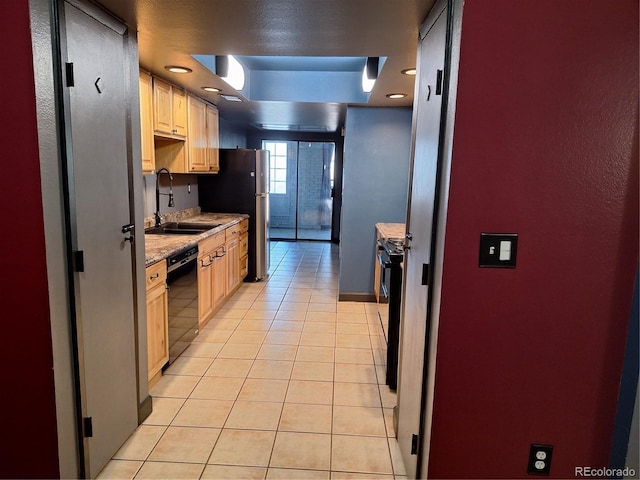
(262, 195)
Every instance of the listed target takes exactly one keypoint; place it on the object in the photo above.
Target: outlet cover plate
(539, 459)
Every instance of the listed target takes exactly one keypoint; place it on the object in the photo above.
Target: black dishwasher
(182, 280)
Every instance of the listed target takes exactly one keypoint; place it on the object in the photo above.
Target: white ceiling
(169, 31)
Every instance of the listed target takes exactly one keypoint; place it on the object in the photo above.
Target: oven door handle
(385, 292)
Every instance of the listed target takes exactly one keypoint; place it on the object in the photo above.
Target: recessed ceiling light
(396, 95)
(177, 69)
(409, 71)
(211, 89)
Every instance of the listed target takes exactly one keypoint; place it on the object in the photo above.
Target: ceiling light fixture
(409, 71)
(177, 69)
(396, 95)
(230, 70)
(211, 89)
(231, 98)
(370, 74)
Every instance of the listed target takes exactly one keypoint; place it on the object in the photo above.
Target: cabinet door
(213, 139)
(157, 329)
(205, 287)
(179, 111)
(146, 122)
(219, 277)
(162, 110)
(233, 265)
(197, 138)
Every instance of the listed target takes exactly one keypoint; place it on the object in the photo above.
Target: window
(278, 166)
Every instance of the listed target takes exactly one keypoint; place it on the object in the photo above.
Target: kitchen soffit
(170, 32)
(300, 79)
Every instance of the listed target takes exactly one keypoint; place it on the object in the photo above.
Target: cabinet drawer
(211, 243)
(233, 231)
(244, 244)
(156, 274)
(244, 225)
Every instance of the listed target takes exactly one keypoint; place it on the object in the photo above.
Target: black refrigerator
(242, 186)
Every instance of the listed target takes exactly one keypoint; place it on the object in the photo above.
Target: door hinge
(439, 82)
(69, 74)
(78, 261)
(414, 444)
(87, 427)
(425, 274)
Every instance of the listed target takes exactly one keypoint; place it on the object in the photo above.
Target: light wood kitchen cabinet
(211, 276)
(205, 287)
(157, 318)
(179, 107)
(233, 258)
(244, 249)
(220, 277)
(146, 122)
(213, 139)
(169, 110)
(377, 268)
(197, 138)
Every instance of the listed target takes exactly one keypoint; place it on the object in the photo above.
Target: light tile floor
(284, 382)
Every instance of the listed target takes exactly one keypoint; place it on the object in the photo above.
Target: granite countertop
(391, 230)
(159, 247)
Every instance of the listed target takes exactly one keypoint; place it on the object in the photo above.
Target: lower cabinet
(244, 249)
(233, 264)
(157, 318)
(205, 287)
(211, 276)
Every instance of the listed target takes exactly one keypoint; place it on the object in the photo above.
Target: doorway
(301, 183)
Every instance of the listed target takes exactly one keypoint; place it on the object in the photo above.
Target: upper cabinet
(197, 139)
(213, 139)
(179, 131)
(146, 123)
(179, 109)
(169, 110)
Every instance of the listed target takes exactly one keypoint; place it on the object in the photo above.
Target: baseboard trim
(144, 409)
(356, 297)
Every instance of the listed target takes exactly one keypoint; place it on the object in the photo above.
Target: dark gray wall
(231, 135)
(182, 183)
(374, 189)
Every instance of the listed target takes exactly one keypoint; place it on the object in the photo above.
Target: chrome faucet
(170, 194)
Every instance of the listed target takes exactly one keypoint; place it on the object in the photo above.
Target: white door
(100, 200)
(420, 225)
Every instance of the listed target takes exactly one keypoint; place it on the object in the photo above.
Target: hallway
(284, 382)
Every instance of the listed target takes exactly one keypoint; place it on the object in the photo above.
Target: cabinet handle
(153, 277)
(203, 264)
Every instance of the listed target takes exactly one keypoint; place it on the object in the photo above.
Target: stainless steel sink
(181, 228)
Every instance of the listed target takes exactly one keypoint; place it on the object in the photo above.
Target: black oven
(390, 257)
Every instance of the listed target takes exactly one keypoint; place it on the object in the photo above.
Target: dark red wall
(28, 426)
(546, 146)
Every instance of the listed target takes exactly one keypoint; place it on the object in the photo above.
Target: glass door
(301, 184)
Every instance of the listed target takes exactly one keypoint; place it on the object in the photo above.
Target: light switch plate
(498, 250)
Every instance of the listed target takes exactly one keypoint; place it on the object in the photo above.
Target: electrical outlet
(540, 459)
